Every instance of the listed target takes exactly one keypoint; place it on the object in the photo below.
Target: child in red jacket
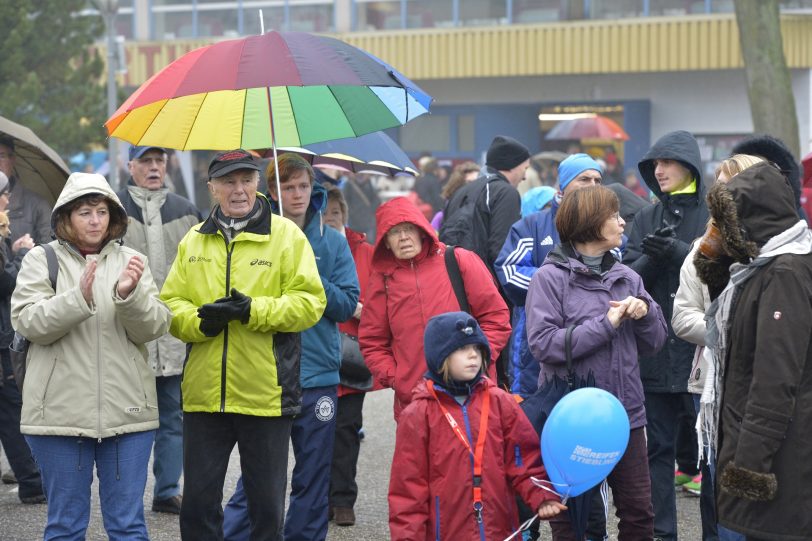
(463, 446)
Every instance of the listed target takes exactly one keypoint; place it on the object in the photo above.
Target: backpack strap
(53, 264)
(452, 266)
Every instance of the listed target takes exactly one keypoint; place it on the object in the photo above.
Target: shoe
(36, 498)
(694, 486)
(681, 478)
(344, 516)
(9, 478)
(169, 505)
(361, 433)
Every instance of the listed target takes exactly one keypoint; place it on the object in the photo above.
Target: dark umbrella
(371, 153)
(37, 165)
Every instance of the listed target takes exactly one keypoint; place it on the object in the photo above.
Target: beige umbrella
(37, 165)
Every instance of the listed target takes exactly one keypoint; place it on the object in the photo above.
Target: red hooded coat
(402, 295)
(431, 486)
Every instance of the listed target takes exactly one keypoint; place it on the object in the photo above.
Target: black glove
(665, 249)
(212, 327)
(234, 307)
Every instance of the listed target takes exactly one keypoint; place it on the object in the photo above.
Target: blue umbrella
(371, 153)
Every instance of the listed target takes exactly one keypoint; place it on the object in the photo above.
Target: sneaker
(169, 505)
(681, 478)
(694, 486)
(344, 516)
(9, 478)
(35, 499)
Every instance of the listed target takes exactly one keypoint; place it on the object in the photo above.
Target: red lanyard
(480, 443)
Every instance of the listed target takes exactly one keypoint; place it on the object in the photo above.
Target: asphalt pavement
(20, 522)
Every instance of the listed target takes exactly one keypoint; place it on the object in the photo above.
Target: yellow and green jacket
(253, 368)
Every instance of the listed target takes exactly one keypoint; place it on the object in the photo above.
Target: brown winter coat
(765, 442)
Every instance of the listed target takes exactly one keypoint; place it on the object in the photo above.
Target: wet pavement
(20, 522)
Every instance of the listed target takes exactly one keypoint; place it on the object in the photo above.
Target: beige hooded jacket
(688, 318)
(87, 371)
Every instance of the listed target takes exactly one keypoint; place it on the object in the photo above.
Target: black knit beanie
(505, 153)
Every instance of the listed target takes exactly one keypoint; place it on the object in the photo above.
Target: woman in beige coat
(89, 394)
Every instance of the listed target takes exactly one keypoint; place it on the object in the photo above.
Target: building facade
(495, 66)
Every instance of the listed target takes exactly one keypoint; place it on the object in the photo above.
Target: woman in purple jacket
(581, 285)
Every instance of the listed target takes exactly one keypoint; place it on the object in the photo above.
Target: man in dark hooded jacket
(659, 241)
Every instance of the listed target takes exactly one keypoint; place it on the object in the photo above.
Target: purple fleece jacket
(563, 293)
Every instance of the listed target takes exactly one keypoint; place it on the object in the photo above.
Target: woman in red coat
(433, 491)
(408, 285)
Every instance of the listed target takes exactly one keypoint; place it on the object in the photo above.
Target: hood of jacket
(392, 213)
(679, 146)
(759, 199)
(81, 184)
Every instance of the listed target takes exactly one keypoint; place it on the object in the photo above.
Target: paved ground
(25, 522)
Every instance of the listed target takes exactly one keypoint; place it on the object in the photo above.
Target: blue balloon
(584, 437)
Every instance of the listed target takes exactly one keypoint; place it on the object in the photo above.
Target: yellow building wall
(694, 43)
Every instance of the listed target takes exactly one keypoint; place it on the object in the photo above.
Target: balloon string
(564, 495)
(525, 525)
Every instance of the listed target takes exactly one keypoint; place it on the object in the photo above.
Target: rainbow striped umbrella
(276, 89)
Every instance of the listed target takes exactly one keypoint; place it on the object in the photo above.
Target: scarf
(795, 240)
(231, 227)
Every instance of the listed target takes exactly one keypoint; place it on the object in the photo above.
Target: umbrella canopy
(593, 127)
(371, 153)
(279, 89)
(551, 156)
(37, 165)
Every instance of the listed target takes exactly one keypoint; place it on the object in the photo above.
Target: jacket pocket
(143, 375)
(47, 386)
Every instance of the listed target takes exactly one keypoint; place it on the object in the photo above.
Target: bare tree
(769, 86)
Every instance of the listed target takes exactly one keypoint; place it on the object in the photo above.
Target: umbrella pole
(276, 170)
(275, 157)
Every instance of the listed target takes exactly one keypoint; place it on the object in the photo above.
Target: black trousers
(17, 451)
(208, 439)
(343, 488)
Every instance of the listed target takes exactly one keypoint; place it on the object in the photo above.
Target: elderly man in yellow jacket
(242, 287)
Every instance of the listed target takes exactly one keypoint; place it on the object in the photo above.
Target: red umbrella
(591, 127)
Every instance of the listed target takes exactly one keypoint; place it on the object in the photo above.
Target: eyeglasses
(399, 230)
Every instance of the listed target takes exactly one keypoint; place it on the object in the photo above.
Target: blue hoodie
(321, 344)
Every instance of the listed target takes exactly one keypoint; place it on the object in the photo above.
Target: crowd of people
(156, 330)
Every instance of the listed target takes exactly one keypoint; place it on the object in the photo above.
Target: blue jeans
(167, 461)
(66, 463)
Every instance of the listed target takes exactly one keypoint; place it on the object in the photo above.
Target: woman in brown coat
(759, 387)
